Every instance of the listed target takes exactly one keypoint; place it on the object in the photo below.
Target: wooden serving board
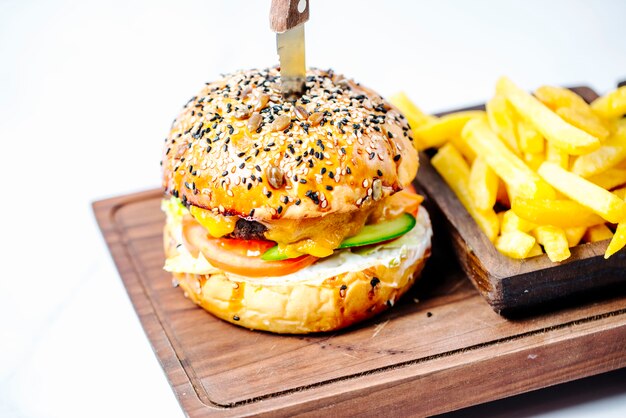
(439, 349)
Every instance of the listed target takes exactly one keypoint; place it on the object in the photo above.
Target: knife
(287, 18)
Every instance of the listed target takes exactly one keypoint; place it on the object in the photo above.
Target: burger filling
(292, 243)
(410, 247)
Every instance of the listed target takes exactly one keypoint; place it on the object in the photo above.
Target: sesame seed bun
(296, 304)
(238, 149)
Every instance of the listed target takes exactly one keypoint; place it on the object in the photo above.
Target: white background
(88, 90)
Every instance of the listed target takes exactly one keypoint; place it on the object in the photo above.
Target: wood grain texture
(440, 348)
(284, 15)
(518, 287)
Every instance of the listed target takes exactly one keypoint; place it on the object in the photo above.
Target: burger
(292, 217)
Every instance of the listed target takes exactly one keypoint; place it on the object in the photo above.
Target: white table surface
(87, 92)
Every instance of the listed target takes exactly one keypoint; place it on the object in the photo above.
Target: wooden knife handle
(286, 14)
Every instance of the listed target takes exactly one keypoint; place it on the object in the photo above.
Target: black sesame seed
(329, 187)
(397, 157)
(372, 155)
(389, 135)
(331, 174)
(313, 196)
(348, 170)
(380, 173)
(242, 165)
(298, 202)
(323, 170)
(375, 281)
(279, 210)
(235, 318)
(303, 181)
(257, 167)
(224, 173)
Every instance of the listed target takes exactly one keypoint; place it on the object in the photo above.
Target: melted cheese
(217, 225)
(315, 236)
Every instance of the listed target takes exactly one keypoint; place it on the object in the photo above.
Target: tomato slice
(238, 256)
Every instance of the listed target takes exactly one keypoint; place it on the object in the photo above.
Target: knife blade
(290, 46)
(287, 18)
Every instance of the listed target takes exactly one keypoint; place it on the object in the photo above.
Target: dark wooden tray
(519, 287)
(439, 349)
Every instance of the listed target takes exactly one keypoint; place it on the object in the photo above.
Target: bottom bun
(293, 306)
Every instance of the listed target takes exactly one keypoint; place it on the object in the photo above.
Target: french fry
(574, 235)
(535, 251)
(534, 160)
(435, 133)
(607, 156)
(502, 122)
(511, 222)
(563, 213)
(609, 179)
(483, 185)
(517, 175)
(460, 144)
(557, 156)
(554, 241)
(618, 241)
(620, 193)
(613, 105)
(414, 114)
(599, 200)
(592, 125)
(530, 140)
(452, 167)
(597, 233)
(515, 244)
(573, 109)
(556, 97)
(554, 129)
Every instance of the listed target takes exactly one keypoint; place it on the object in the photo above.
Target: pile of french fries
(539, 173)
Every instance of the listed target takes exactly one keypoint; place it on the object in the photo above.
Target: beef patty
(245, 229)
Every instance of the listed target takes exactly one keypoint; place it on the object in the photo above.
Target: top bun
(238, 148)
